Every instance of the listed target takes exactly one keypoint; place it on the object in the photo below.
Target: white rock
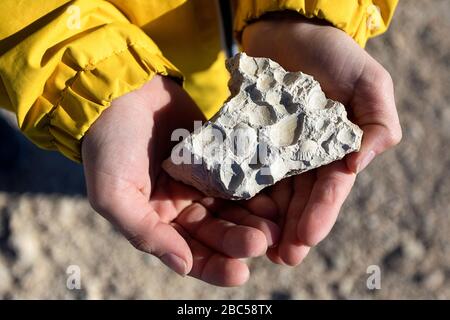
(274, 125)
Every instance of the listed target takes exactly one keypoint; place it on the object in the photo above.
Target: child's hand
(310, 203)
(122, 153)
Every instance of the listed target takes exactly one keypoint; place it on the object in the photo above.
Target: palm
(311, 201)
(311, 209)
(157, 214)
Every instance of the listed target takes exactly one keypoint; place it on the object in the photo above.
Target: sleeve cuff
(86, 93)
(361, 19)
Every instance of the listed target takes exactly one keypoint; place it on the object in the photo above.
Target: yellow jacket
(62, 62)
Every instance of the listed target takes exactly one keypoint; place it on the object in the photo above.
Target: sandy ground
(397, 216)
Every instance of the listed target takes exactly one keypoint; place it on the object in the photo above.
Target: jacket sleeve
(361, 19)
(62, 62)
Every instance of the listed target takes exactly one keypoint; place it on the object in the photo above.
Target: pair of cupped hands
(208, 238)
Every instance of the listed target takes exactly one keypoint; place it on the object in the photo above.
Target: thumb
(374, 109)
(163, 241)
(128, 209)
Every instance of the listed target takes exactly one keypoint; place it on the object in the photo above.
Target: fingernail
(366, 160)
(175, 263)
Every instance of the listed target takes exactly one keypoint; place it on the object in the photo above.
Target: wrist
(268, 35)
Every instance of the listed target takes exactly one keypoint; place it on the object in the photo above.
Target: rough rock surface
(274, 125)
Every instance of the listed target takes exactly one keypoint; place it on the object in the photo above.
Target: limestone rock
(275, 124)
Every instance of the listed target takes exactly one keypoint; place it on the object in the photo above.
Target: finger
(261, 205)
(213, 267)
(281, 194)
(374, 110)
(293, 254)
(171, 197)
(331, 188)
(298, 254)
(220, 235)
(291, 250)
(127, 208)
(233, 213)
(272, 254)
